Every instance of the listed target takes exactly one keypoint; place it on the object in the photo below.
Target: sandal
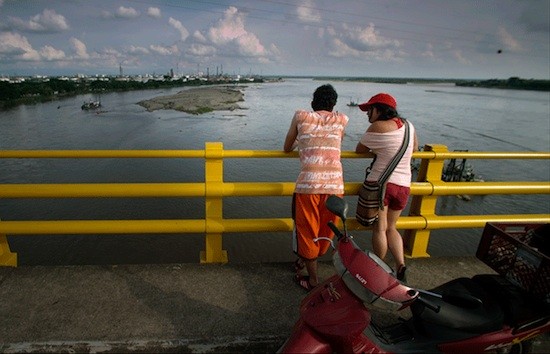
(303, 281)
(298, 265)
(401, 276)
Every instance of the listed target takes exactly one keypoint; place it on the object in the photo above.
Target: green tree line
(515, 83)
(29, 92)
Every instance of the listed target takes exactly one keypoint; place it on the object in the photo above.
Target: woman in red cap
(384, 138)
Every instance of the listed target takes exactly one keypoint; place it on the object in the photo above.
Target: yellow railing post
(213, 175)
(416, 240)
(7, 257)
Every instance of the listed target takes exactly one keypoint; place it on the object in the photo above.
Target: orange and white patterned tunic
(319, 139)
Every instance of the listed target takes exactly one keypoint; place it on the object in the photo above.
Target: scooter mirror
(337, 206)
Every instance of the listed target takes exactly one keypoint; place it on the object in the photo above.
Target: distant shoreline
(31, 92)
(513, 83)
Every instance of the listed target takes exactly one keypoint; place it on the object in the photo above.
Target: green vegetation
(512, 83)
(515, 83)
(36, 91)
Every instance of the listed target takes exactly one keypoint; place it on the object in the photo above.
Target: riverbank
(33, 91)
(198, 100)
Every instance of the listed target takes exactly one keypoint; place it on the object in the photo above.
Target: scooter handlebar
(424, 299)
(429, 304)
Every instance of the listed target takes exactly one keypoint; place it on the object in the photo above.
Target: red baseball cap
(382, 98)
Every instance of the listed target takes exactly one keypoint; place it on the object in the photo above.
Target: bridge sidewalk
(169, 307)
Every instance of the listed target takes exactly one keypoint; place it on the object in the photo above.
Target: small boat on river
(91, 105)
(352, 103)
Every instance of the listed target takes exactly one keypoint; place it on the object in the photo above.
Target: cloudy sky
(381, 38)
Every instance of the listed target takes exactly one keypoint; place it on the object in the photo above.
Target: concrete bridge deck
(190, 308)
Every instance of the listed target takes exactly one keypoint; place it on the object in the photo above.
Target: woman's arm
(361, 149)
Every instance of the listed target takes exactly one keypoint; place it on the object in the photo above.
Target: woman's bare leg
(395, 241)
(379, 238)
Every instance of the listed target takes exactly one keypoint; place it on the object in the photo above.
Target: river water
(475, 119)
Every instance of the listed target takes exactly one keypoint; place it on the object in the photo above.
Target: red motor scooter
(485, 313)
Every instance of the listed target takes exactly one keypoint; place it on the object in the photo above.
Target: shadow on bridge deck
(170, 307)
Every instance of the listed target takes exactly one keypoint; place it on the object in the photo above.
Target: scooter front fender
(305, 340)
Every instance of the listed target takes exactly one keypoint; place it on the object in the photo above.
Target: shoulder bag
(371, 194)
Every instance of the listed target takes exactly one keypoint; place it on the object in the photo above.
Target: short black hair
(324, 98)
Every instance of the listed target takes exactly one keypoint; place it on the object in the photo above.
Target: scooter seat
(517, 304)
(482, 317)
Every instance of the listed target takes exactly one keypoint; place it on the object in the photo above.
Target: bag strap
(395, 161)
(392, 165)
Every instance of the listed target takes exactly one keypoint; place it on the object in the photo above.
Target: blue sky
(391, 38)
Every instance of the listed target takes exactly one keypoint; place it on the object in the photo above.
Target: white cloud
(228, 28)
(508, 41)
(361, 42)
(307, 14)
(154, 12)
(138, 50)
(50, 53)
(47, 21)
(107, 58)
(14, 46)
(459, 56)
(340, 49)
(197, 35)
(13, 43)
(111, 52)
(249, 44)
(126, 12)
(231, 34)
(274, 50)
(199, 50)
(429, 52)
(80, 49)
(164, 50)
(181, 29)
(368, 38)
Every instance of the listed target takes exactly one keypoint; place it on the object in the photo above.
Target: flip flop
(303, 281)
(298, 265)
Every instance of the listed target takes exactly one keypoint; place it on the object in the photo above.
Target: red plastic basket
(521, 253)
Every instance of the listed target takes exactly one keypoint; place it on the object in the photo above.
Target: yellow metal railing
(421, 219)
